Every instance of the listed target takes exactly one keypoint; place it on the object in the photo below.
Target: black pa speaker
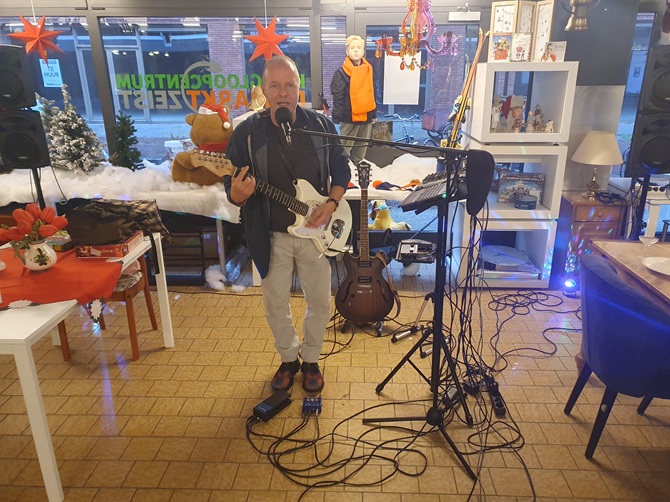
(655, 95)
(478, 179)
(17, 87)
(23, 144)
(650, 147)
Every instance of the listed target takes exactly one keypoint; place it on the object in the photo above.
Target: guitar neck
(364, 252)
(295, 205)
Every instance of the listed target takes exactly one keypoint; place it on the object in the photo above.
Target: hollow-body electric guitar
(329, 239)
(364, 295)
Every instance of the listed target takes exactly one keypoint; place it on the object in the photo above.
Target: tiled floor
(171, 426)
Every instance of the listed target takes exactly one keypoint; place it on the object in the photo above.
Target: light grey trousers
(314, 273)
(356, 149)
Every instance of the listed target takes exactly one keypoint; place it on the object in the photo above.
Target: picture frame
(525, 22)
(503, 17)
(544, 15)
(501, 45)
(554, 52)
(521, 45)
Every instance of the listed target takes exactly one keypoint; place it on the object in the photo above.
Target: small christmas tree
(73, 145)
(124, 153)
(49, 111)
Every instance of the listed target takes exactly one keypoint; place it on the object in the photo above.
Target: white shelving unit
(551, 85)
(535, 237)
(546, 159)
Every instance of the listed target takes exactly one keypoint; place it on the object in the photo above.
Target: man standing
(259, 147)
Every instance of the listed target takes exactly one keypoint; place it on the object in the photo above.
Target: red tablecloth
(70, 278)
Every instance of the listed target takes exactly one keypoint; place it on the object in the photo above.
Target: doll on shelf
(530, 122)
(495, 113)
(354, 106)
(537, 117)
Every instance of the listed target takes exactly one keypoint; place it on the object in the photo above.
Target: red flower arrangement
(32, 225)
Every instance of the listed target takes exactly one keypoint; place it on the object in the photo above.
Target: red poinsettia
(32, 225)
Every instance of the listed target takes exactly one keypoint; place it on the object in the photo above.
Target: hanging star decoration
(36, 38)
(267, 41)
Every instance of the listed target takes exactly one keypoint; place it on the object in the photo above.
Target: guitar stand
(379, 326)
(440, 403)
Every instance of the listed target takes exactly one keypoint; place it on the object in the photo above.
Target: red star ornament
(267, 41)
(36, 38)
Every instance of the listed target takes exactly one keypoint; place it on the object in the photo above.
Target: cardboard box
(60, 241)
(118, 250)
(526, 183)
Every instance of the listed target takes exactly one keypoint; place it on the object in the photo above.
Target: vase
(39, 256)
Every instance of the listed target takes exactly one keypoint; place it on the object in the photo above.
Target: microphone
(283, 117)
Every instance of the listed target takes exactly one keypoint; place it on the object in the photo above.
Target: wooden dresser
(580, 221)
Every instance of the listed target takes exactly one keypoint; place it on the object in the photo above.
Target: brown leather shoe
(283, 379)
(312, 379)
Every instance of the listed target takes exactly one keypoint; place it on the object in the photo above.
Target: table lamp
(598, 148)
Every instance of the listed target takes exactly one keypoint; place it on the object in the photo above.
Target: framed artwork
(501, 47)
(520, 49)
(503, 17)
(554, 51)
(544, 16)
(525, 18)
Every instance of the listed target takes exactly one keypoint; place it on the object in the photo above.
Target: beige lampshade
(598, 148)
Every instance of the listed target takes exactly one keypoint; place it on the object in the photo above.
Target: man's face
(281, 87)
(355, 51)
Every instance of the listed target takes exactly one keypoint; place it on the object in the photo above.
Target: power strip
(658, 192)
(654, 191)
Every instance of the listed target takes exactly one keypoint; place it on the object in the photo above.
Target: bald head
(281, 85)
(278, 61)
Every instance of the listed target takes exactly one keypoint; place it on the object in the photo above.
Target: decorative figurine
(517, 118)
(530, 123)
(495, 113)
(549, 126)
(538, 116)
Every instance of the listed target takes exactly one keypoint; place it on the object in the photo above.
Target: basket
(435, 119)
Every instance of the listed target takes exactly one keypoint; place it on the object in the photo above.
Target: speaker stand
(38, 187)
(641, 203)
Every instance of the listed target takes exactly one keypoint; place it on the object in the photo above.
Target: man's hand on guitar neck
(241, 187)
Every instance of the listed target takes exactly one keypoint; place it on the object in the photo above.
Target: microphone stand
(428, 151)
(441, 401)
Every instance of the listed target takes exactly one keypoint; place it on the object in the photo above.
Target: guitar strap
(287, 161)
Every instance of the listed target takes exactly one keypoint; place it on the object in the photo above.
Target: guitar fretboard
(295, 205)
(364, 252)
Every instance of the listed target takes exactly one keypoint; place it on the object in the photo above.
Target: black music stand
(440, 401)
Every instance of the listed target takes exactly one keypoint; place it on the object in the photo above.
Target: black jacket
(339, 87)
(247, 148)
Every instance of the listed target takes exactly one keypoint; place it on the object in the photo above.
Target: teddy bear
(258, 100)
(210, 131)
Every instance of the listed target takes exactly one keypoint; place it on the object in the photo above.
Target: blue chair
(626, 342)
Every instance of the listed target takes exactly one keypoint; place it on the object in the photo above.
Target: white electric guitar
(329, 239)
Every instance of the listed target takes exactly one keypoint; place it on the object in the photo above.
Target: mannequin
(354, 106)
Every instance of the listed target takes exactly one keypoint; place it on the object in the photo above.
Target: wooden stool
(127, 296)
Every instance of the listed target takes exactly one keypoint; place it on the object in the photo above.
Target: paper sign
(401, 87)
(51, 73)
